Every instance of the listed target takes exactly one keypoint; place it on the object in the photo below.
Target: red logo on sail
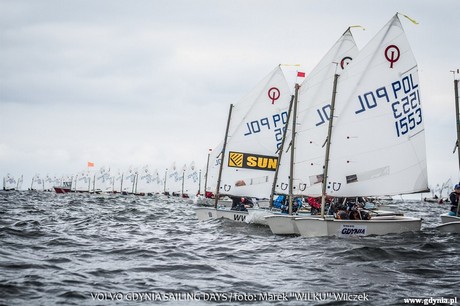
(274, 94)
(392, 54)
(345, 61)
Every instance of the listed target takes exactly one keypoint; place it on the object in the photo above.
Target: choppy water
(81, 249)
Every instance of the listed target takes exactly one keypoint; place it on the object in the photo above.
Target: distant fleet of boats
(184, 181)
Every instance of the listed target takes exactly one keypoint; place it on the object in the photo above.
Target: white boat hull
(313, 227)
(450, 227)
(234, 215)
(206, 213)
(282, 224)
(446, 218)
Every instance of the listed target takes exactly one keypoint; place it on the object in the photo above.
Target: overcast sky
(129, 83)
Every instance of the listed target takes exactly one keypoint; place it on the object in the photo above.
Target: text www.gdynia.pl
(431, 301)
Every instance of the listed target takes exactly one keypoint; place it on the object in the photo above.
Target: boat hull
(206, 213)
(450, 227)
(234, 215)
(282, 224)
(446, 218)
(313, 227)
(61, 189)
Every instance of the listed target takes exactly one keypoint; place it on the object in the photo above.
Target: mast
(182, 187)
(164, 183)
(328, 146)
(206, 175)
(457, 116)
(136, 178)
(291, 165)
(223, 155)
(199, 181)
(280, 153)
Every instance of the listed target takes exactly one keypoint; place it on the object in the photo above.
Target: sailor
(454, 197)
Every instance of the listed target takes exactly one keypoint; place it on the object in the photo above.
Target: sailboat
(37, 184)
(173, 180)
(206, 199)
(245, 162)
(376, 138)
(158, 182)
(49, 182)
(451, 221)
(437, 193)
(308, 129)
(191, 181)
(10, 183)
(128, 181)
(145, 182)
(102, 181)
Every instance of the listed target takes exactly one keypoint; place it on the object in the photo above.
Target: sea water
(87, 249)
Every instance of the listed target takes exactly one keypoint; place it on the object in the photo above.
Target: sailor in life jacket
(281, 202)
(454, 197)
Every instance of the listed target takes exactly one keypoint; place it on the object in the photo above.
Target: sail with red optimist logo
(254, 135)
(378, 134)
(313, 112)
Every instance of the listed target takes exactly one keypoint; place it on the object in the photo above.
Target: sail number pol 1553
(403, 96)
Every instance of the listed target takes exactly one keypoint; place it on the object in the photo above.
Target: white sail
(313, 110)
(49, 182)
(192, 180)
(212, 172)
(378, 137)
(117, 182)
(255, 132)
(174, 180)
(37, 183)
(102, 181)
(9, 182)
(145, 182)
(83, 182)
(129, 181)
(158, 182)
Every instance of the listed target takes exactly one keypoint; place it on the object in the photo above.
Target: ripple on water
(57, 249)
